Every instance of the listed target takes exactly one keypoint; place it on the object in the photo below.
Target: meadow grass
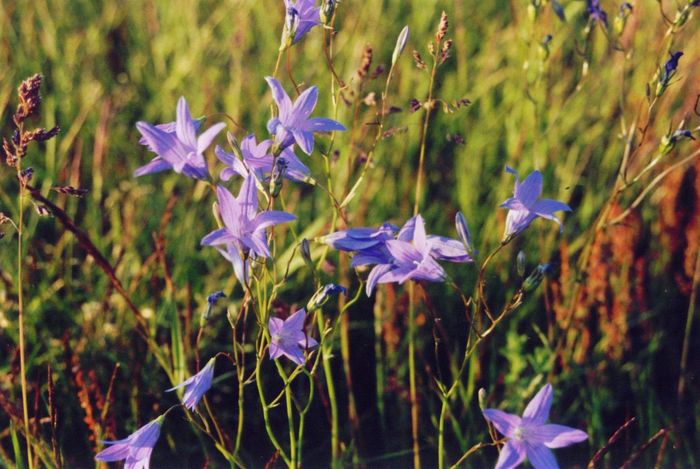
(607, 327)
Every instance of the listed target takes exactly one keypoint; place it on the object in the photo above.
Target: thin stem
(20, 306)
(689, 327)
(330, 385)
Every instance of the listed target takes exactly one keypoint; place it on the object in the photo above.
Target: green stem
(330, 385)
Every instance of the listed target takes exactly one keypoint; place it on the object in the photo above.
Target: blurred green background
(562, 109)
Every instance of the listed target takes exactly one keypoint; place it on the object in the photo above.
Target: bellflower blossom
(195, 386)
(136, 449)
(530, 436)
(300, 17)
(293, 123)
(524, 206)
(243, 234)
(367, 243)
(257, 158)
(180, 150)
(288, 337)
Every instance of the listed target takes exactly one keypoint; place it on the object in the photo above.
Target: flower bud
(278, 173)
(482, 398)
(400, 45)
(327, 10)
(305, 249)
(464, 234)
(324, 294)
(535, 278)
(291, 24)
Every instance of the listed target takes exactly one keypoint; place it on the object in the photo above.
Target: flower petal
(304, 139)
(220, 236)
(204, 140)
(304, 106)
(375, 275)
(228, 208)
(558, 436)
(114, 453)
(322, 124)
(272, 217)
(284, 104)
(537, 410)
(184, 127)
(248, 198)
(512, 454)
(530, 189)
(541, 457)
(156, 165)
(505, 423)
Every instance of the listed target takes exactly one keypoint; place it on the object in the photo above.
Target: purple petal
(208, 136)
(512, 454)
(184, 127)
(284, 104)
(275, 324)
(275, 351)
(220, 236)
(156, 165)
(257, 243)
(448, 249)
(537, 410)
(549, 206)
(375, 275)
(228, 207)
(163, 144)
(428, 270)
(114, 453)
(558, 436)
(307, 342)
(304, 106)
(403, 252)
(505, 423)
(271, 217)
(295, 322)
(322, 124)
(224, 156)
(406, 233)
(248, 198)
(517, 221)
(419, 236)
(541, 457)
(530, 189)
(304, 139)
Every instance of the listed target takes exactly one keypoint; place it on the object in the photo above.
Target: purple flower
(524, 206)
(243, 234)
(257, 158)
(180, 150)
(214, 297)
(596, 14)
(288, 337)
(301, 16)
(136, 448)
(414, 255)
(529, 436)
(368, 243)
(197, 385)
(293, 123)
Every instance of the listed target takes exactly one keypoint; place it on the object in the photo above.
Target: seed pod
(520, 264)
(327, 11)
(535, 278)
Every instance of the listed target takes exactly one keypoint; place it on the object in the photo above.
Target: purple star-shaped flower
(293, 123)
(257, 158)
(136, 449)
(530, 436)
(195, 386)
(524, 206)
(288, 337)
(180, 150)
(301, 16)
(243, 234)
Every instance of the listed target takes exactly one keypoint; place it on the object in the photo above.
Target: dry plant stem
(615, 436)
(471, 451)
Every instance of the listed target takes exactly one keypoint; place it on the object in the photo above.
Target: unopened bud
(400, 44)
(324, 294)
(233, 143)
(327, 10)
(291, 24)
(464, 234)
(535, 278)
(305, 249)
(482, 398)
(278, 173)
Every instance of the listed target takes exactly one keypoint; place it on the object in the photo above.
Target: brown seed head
(419, 60)
(442, 28)
(366, 62)
(29, 98)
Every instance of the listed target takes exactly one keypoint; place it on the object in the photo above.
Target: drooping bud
(324, 294)
(233, 143)
(400, 45)
(535, 278)
(327, 11)
(305, 250)
(291, 25)
(278, 173)
(211, 301)
(621, 18)
(520, 264)
(668, 142)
